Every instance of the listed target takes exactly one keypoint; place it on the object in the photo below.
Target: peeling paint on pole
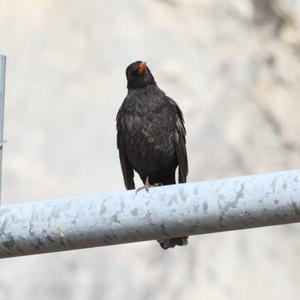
(170, 211)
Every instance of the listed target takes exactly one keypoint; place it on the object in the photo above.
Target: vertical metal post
(2, 93)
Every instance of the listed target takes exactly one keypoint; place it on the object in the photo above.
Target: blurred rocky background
(233, 67)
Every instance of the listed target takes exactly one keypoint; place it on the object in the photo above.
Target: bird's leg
(146, 186)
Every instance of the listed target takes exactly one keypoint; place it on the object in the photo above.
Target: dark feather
(127, 169)
(180, 141)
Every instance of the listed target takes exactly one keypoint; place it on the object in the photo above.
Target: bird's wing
(127, 168)
(179, 135)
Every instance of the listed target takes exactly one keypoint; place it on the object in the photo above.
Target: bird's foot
(146, 186)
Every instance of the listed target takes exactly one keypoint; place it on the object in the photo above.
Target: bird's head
(138, 75)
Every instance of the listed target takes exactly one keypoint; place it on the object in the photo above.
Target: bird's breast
(147, 127)
(149, 143)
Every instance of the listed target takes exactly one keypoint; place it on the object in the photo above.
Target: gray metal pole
(169, 211)
(2, 93)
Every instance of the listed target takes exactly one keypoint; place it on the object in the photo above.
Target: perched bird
(151, 136)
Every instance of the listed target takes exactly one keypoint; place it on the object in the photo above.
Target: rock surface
(234, 68)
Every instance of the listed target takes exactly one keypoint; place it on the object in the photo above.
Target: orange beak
(142, 68)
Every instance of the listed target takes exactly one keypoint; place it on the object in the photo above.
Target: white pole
(163, 212)
(2, 94)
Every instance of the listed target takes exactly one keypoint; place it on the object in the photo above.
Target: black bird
(151, 135)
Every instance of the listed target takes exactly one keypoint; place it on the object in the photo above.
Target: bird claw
(142, 188)
(145, 187)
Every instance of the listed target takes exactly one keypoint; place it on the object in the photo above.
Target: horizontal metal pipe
(169, 211)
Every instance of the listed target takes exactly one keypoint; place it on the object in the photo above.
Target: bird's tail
(171, 243)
